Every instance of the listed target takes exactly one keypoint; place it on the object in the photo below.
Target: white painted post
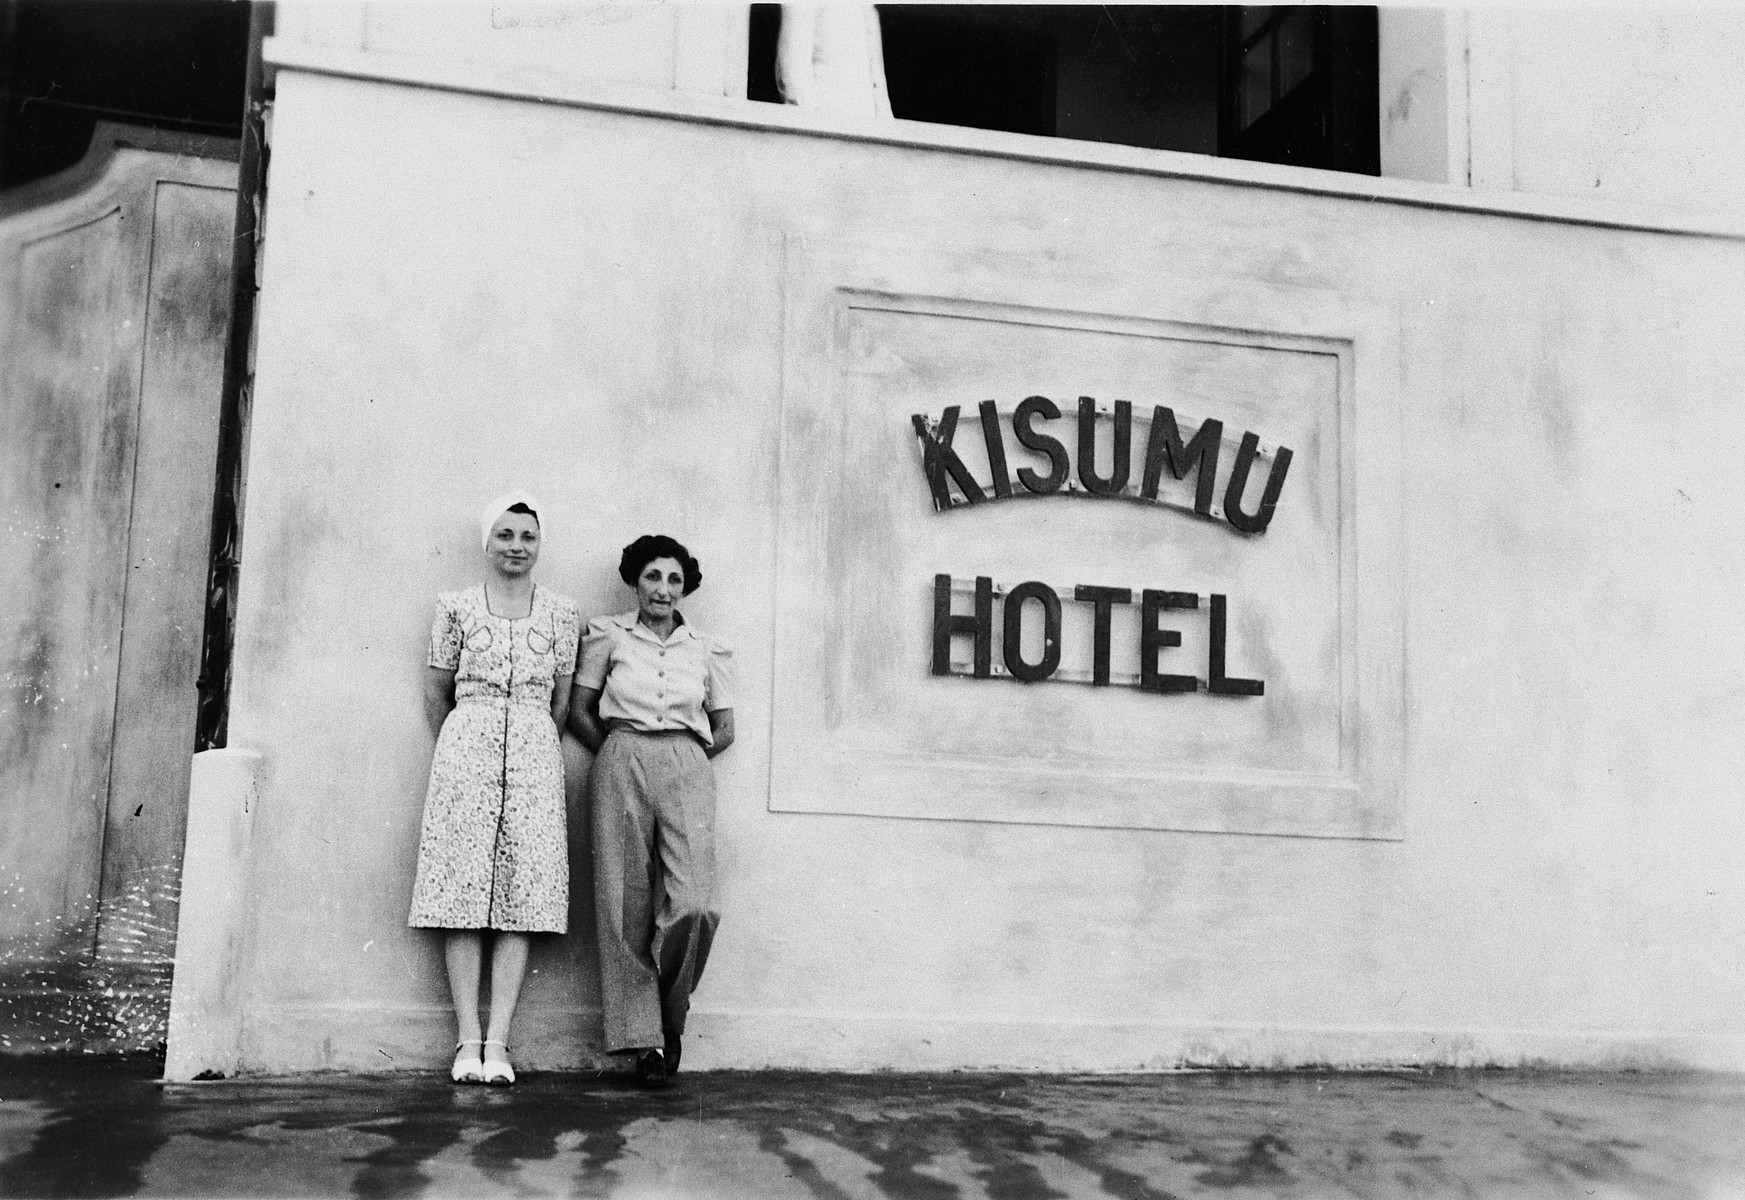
(205, 1032)
(830, 57)
(1418, 133)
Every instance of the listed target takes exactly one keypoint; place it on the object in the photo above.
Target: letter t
(1104, 598)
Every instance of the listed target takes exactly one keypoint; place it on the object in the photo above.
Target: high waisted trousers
(653, 801)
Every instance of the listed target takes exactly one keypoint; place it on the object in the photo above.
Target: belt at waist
(619, 725)
(533, 702)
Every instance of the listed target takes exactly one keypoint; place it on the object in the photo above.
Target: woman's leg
(508, 968)
(623, 895)
(463, 951)
(686, 920)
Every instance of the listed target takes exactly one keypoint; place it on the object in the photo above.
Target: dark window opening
(67, 64)
(954, 67)
(1300, 87)
(1292, 85)
(760, 75)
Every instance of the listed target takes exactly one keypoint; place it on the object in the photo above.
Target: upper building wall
(1645, 106)
(685, 48)
(1638, 106)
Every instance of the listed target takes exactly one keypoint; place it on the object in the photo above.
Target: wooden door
(114, 309)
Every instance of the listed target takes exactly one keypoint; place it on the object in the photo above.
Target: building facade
(1391, 720)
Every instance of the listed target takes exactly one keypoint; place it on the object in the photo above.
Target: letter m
(1165, 445)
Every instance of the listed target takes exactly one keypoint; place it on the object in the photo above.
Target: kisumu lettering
(979, 625)
(1165, 448)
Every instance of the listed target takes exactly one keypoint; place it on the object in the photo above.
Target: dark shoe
(651, 1071)
(672, 1051)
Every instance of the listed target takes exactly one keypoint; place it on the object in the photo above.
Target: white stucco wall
(1640, 104)
(464, 293)
(695, 48)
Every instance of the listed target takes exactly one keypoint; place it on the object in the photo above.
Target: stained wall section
(465, 293)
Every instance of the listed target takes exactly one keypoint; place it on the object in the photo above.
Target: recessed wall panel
(1236, 704)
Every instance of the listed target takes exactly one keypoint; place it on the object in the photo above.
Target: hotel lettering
(965, 611)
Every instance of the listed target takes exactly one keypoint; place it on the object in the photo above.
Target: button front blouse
(653, 685)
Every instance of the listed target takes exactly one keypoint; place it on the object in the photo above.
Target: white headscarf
(503, 504)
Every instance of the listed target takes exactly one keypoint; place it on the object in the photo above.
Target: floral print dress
(493, 853)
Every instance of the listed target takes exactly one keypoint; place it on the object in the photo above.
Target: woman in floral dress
(493, 864)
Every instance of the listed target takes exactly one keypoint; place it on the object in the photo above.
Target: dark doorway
(1299, 87)
(955, 66)
(67, 64)
(1166, 77)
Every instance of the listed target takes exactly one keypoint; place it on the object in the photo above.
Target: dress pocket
(478, 637)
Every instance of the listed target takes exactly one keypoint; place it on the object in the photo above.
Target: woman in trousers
(653, 699)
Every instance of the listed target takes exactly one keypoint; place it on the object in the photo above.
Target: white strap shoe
(498, 1074)
(468, 1068)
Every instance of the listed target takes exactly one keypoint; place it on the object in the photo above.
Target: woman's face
(658, 589)
(514, 546)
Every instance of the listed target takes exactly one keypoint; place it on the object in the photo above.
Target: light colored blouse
(654, 685)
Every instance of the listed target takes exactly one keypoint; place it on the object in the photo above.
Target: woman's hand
(560, 700)
(720, 731)
(584, 717)
(438, 698)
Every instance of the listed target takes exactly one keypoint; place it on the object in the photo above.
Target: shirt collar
(636, 628)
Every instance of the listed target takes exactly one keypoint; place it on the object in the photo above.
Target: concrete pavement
(95, 1128)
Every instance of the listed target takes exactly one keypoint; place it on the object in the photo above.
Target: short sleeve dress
(493, 853)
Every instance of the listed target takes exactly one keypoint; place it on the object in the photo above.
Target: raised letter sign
(1217, 682)
(1116, 483)
(1104, 599)
(1152, 639)
(941, 458)
(1165, 444)
(996, 443)
(1027, 411)
(946, 623)
(1014, 621)
(1275, 480)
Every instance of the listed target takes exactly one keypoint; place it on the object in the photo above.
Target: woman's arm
(720, 730)
(438, 697)
(584, 717)
(560, 700)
